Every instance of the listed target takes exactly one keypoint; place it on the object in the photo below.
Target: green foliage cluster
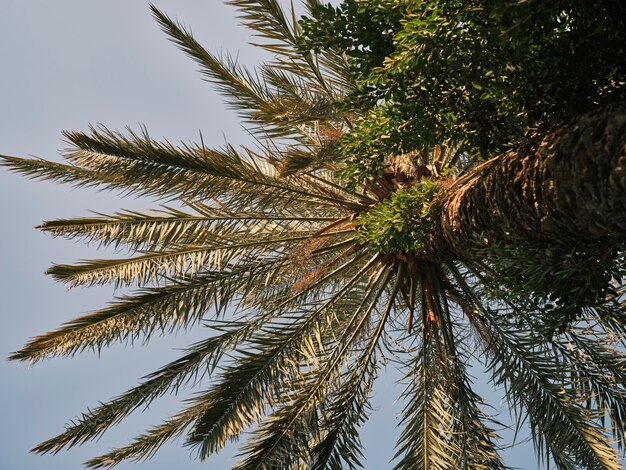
(304, 306)
(362, 30)
(562, 280)
(482, 73)
(371, 139)
(402, 222)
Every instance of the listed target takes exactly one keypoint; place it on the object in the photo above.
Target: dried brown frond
(310, 277)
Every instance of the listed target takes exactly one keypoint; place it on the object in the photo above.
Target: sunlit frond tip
(311, 269)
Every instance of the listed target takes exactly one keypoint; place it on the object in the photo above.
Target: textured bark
(568, 185)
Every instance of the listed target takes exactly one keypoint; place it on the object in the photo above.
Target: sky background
(67, 64)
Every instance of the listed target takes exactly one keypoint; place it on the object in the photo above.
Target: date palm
(306, 285)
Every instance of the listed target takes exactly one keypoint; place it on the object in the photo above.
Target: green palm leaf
(201, 358)
(312, 260)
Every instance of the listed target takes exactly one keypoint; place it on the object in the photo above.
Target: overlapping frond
(269, 359)
(284, 437)
(280, 103)
(188, 260)
(426, 439)
(599, 372)
(200, 359)
(284, 344)
(154, 309)
(444, 425)
(279, 31)
(348, 406)
(539, 388)
(269, 249)
(475, 439)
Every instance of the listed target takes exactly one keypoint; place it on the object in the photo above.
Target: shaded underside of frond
(538, 388)
(542, 379)
(200, 359)
(269, 361)
(286, 435)
(427, 420)
(262, 246)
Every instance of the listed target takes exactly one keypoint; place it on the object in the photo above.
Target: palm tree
(307, 285)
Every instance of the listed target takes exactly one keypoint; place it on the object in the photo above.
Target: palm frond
(279, 31)
(427, 440)
(135, 229)
(472, 435)
(154, 309)
(536, 385)
(139, 164)
(243, 89)
(40, 169)
(186, 261)
(192, 172)
(282, 436)
(276, 106)
(184, 302)
(172, 227)
(200, 359)
(222, 416)
(340, 446)
(599, 372)
(148, 443)
(269, 21)
(240, 397)
(589, 356)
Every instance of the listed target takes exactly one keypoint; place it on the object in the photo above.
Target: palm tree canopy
(356, 233)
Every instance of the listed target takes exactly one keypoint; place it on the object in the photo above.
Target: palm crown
(306, 283)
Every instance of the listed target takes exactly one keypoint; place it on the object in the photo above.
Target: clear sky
(66, 64)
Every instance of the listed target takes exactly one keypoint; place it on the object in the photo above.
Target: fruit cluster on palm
(307, 284)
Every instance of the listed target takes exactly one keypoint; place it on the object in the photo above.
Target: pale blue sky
(66, 64)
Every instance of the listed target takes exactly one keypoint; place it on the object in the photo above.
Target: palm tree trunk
(568, 184)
